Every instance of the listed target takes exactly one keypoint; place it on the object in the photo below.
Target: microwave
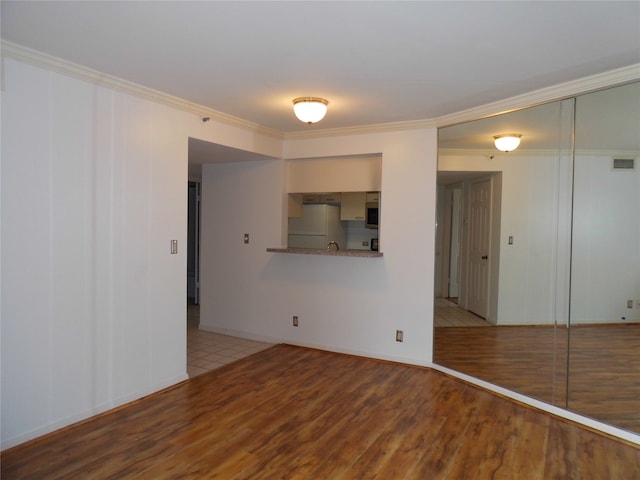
(372, 214)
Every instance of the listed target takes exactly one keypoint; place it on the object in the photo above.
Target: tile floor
(207, 350)
(449, 314)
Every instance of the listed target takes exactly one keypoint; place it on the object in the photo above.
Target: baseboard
(546, 407)
(100, 409)
(316, 346)
(241, 334)
(588, 422)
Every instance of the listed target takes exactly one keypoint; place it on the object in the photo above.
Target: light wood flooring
(296, 413)
(600, 378)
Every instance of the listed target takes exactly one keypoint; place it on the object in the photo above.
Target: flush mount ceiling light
(310, 109)
(507, 142)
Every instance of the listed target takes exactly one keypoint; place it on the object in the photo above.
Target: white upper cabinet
(373, 197)
(352, 206)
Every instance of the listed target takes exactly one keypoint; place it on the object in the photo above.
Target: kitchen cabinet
(352, 206)
(373, 197)
(319, 198)
(310, 198)
(330, 198)
(295, 205)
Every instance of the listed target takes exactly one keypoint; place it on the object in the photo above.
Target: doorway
(193, 244)
(470, 241)
(479, 235)
(452, 239)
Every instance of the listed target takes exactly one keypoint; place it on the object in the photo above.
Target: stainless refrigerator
(318, 226)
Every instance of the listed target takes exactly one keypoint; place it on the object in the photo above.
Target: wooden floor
(296, 413)
(604, 373)
(529, 360)
(600, 378)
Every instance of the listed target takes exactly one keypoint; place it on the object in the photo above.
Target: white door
(479, 240)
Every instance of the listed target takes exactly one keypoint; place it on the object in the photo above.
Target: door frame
(194, 245)
(465, 179)
(452, 246)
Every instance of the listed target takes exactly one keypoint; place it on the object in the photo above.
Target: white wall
(92, 301)
(528, 274)
(94, 188)
(535, 210)
(606, 242)
(334, 174)
(344, 304)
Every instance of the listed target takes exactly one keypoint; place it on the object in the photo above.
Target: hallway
(207, 350)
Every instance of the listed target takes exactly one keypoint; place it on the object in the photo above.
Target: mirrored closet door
(538, 253)
(604, 354)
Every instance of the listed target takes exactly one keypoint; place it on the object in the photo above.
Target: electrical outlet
(295, 320)
(365, 243)
(399, 336)
(629, 303)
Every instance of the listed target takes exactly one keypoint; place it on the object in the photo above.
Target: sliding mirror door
(604, 359)
(503, 239)
(538, 254)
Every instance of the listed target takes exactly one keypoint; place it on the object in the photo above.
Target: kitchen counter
(332, 253)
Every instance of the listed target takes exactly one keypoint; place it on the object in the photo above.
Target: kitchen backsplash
(358, 233)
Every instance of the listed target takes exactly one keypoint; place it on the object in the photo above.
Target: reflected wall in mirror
(604, 358)
(503, 243)
(516, 283)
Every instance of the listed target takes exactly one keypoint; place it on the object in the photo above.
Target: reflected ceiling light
(310, 109)
(507, 142)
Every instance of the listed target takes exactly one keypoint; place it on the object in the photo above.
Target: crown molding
(363, 129)
(493, 152)
(70, 69)
(523, 152)
(562, 91)
(608, 153)
(537, 97)
(549, 94)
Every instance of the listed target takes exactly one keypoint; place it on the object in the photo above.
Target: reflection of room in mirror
(527, 359)
(571, 275)
(449, 314)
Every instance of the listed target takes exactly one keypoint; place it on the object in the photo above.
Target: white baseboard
(105, 407)
(547, 407)
(241, 334)
(540, 405)
(317, 346)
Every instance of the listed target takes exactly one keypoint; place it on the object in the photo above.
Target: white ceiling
(376, 62)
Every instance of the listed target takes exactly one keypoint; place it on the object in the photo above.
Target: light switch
(510, 239)
(174, 247)
(246, 238)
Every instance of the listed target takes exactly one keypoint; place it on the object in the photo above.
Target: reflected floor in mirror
(448, 314)
(604, 367)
